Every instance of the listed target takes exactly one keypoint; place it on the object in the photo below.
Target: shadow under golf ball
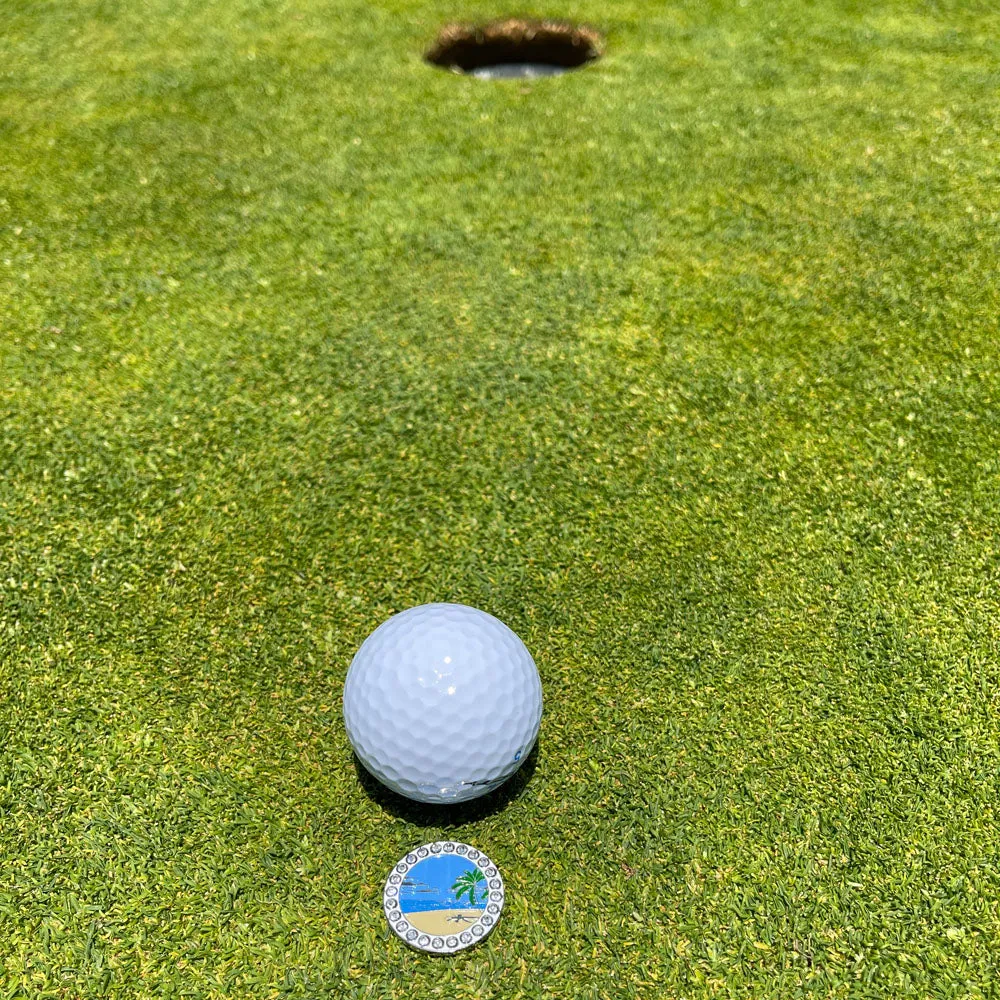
(433, 814)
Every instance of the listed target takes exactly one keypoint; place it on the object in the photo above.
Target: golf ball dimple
(442, 703)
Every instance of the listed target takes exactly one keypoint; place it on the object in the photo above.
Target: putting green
(684, 365)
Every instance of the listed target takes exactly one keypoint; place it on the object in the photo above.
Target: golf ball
(442, 703)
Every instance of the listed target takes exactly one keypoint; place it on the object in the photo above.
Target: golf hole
(514, 49)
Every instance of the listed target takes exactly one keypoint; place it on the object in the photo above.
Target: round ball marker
(443, 897)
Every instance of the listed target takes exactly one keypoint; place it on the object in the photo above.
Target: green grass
(685, 366)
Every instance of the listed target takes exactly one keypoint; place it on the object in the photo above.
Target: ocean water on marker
(517, 71)
(432, 885)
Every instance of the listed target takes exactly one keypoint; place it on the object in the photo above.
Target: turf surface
(684, 365)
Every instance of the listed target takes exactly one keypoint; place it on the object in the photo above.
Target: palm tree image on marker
(467, 884)
(443, 895)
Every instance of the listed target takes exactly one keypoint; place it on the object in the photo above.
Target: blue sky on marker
(428, 884)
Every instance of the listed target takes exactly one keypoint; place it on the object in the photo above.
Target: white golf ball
(442, 703)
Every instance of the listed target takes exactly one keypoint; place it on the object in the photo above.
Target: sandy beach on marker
(441, 922)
